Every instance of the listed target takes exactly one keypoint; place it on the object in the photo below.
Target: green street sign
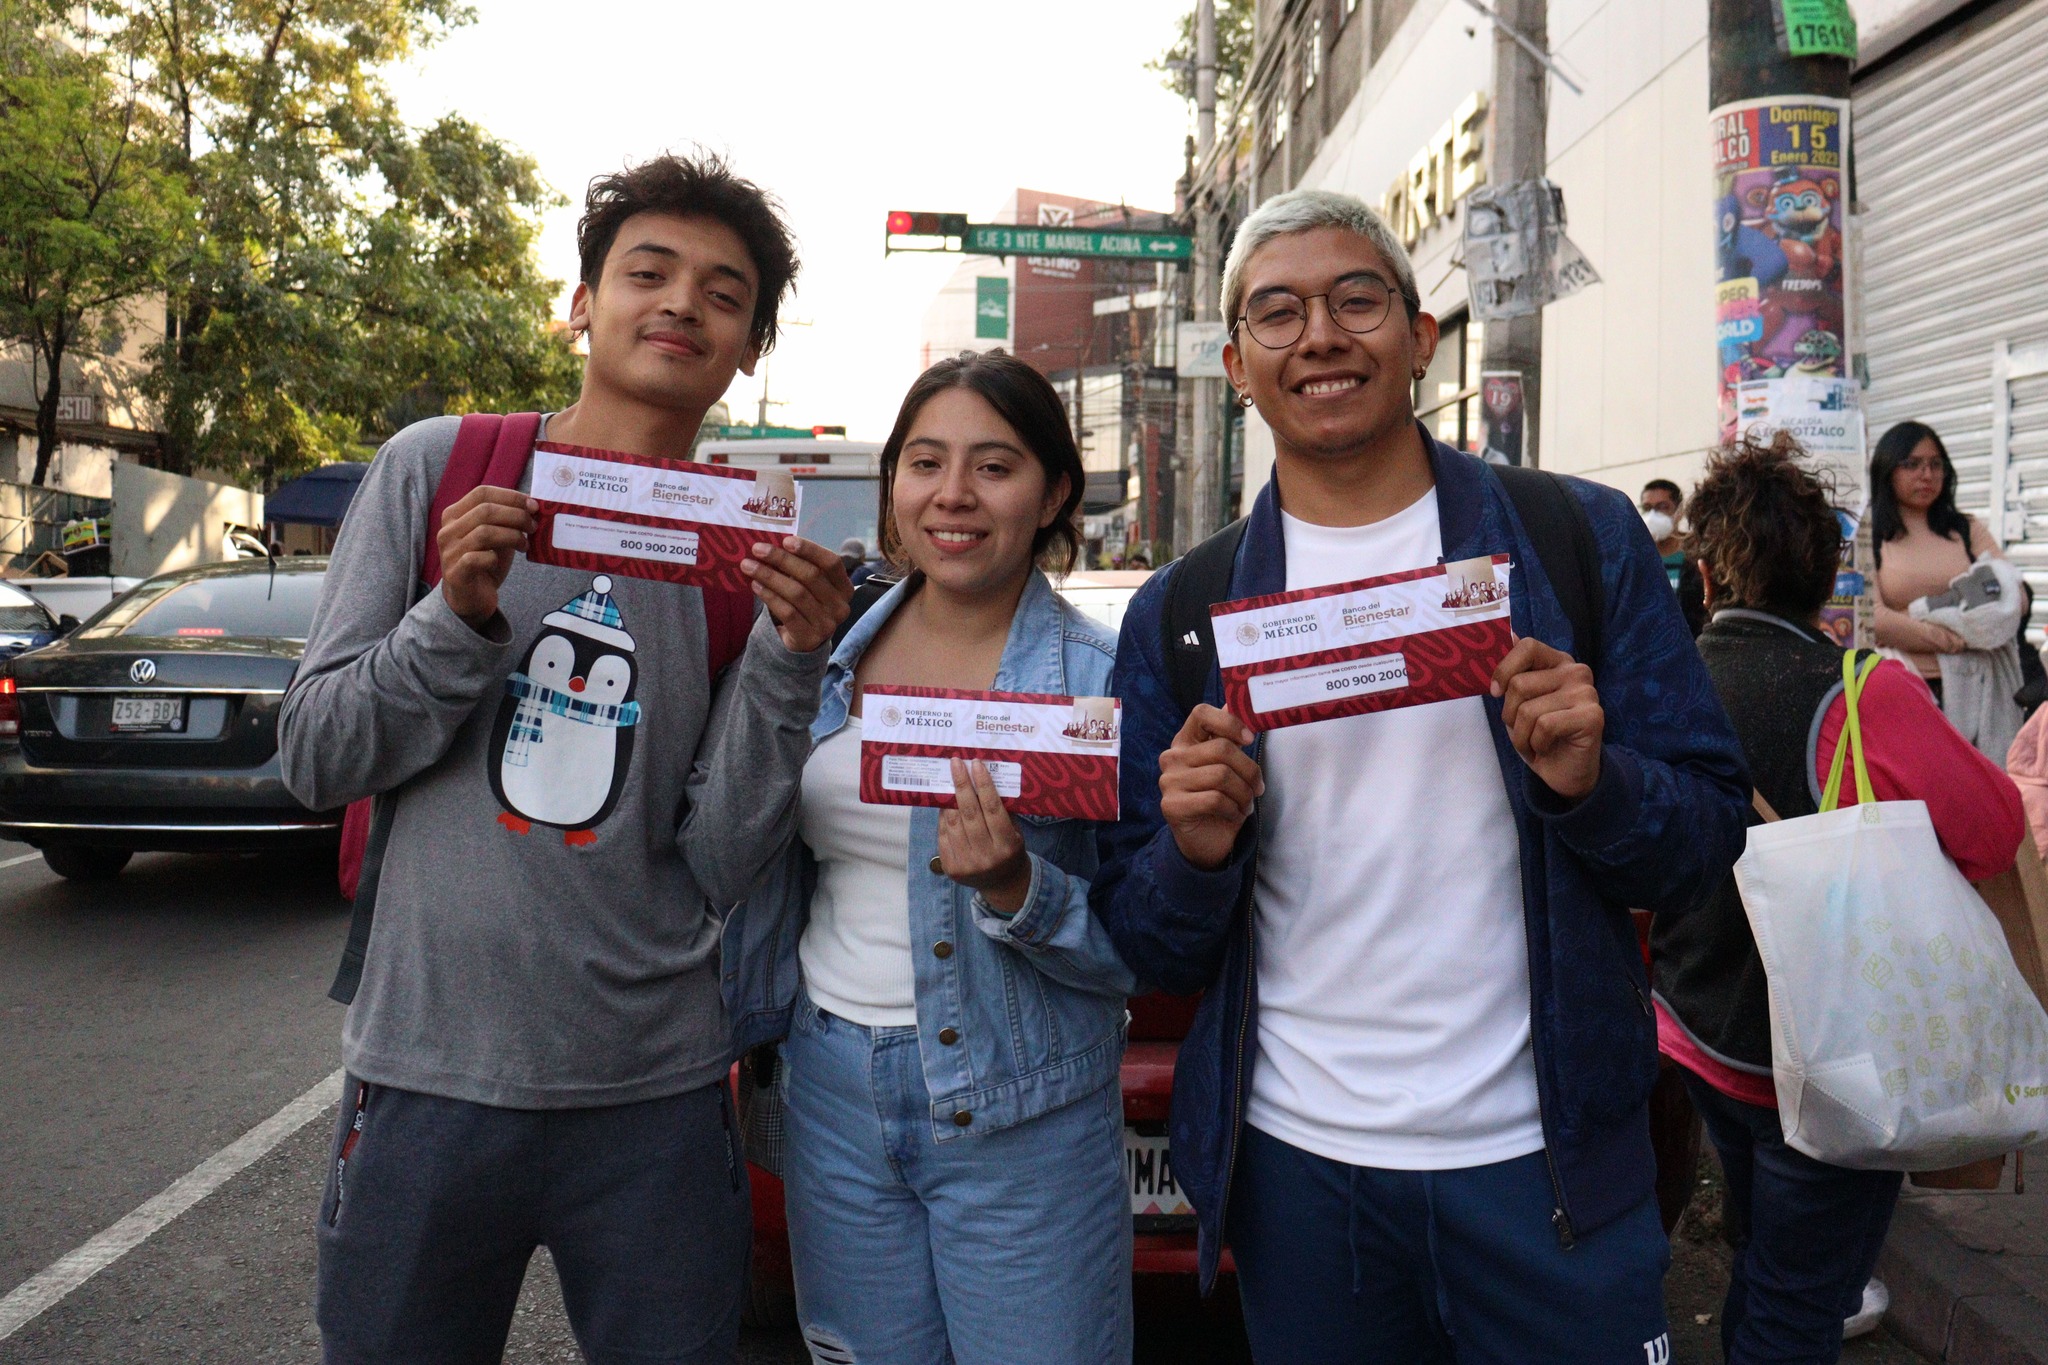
(992, 308)
(997, 239)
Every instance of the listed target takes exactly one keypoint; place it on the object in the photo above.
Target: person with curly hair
(1806, 1233)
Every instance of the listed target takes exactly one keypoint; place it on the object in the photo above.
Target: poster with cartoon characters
(1781, 269)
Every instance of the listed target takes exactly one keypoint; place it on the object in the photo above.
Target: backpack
(1555, 520)
(489, 450)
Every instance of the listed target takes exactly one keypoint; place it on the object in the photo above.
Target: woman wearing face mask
(1923, 542)
(951, 1014)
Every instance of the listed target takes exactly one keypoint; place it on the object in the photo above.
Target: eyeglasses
(1926, 464)
(1277, 318)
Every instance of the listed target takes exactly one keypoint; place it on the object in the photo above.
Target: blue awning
(320, 498)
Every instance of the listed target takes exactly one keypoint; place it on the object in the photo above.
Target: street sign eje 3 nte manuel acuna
(951, 232)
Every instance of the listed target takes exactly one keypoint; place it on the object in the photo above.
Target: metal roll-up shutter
(1951, 177)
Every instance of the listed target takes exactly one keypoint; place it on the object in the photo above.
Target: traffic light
(828, 431)
(904, 223)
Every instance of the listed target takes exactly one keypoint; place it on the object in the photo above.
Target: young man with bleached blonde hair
(1413, 1100)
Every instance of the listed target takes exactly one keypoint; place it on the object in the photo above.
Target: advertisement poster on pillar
(1780, 324)
(647, 517)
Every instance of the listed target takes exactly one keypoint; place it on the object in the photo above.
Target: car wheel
(87, 864)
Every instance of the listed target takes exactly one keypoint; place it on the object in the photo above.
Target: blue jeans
(1006, 1248)
(1355, 1265)
(1806, 1237)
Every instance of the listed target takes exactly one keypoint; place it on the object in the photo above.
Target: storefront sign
(1781, 268)
(1450, 167)
(1198, 350)
(1404, 639)
(1047, 755)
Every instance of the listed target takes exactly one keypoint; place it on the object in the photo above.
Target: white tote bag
(1902, 1035)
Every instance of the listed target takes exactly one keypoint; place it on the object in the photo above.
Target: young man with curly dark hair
(536, 1052)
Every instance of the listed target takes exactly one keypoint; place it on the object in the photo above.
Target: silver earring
(1244, 400)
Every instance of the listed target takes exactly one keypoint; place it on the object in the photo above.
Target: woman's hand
(979, 846)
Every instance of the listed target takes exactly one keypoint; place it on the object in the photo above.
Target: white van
(840, 481)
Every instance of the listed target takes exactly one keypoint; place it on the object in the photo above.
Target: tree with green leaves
(90, 217)
(1234, 27)
(350, 273)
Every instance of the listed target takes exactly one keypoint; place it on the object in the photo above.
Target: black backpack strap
(865, 596)
(1200, 580)
(1563, 536)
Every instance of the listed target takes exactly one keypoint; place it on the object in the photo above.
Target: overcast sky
(846, 110)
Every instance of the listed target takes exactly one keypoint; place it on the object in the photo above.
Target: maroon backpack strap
(489, 449)
(728, 616)
(475, 442)
(513, 449)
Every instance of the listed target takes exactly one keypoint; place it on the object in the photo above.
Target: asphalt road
(148, 1022)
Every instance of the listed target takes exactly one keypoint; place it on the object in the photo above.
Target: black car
(153, 726)
(24, 622)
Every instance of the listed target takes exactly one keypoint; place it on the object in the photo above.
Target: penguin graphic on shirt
(563, 740)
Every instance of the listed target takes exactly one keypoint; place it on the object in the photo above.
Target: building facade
(1947, 317)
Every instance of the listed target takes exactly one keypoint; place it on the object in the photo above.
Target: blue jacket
(1034, 1001)
(1659, 830)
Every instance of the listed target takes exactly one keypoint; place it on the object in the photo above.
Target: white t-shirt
(855, 952)
(1393, 968)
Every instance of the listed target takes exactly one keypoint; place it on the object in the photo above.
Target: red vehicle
(1163, 1222)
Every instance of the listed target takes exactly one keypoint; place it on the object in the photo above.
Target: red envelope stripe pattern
(1403, 639)
(646, 517)
(1049, 755)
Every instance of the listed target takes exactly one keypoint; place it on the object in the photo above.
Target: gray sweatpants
(434, 1207)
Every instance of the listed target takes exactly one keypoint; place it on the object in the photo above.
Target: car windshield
(836, 510)
(20, 614)
(258, 604)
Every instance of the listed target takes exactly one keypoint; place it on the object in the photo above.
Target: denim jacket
(1017, 1014)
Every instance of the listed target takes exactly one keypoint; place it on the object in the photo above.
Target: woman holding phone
(951, 1016)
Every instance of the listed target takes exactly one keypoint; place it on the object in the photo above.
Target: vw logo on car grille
(142, 670)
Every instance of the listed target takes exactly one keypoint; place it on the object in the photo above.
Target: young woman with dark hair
(951, 1015)
(1806, 1233)
(1922, 541)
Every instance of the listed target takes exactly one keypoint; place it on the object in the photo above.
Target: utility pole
(1519, 148)
(1201, 502)
(1778, 87)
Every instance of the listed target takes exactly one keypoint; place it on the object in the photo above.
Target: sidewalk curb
(1955, 1304)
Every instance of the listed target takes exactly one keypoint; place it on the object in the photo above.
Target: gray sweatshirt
(571, 802)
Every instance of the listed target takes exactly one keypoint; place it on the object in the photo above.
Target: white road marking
(19, 859)
(46, 1289)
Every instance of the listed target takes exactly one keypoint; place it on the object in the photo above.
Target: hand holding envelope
(1553, 714)
(805, 588)
(979, 846)
(1207, 784)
